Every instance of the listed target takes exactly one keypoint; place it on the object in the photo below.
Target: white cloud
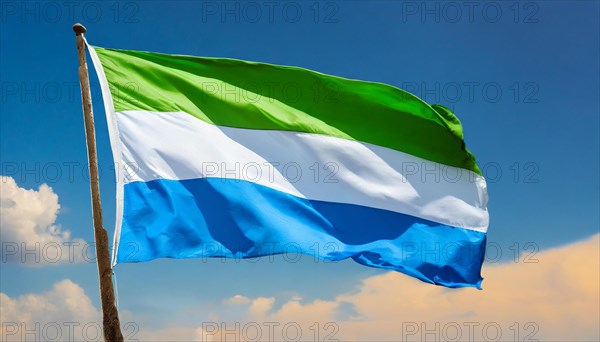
(30, 234)
(261, 306)
(64, 313)
(237, 299)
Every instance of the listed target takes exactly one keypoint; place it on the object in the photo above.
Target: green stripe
(242, 94)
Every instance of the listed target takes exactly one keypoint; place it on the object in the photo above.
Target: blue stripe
(215, 217)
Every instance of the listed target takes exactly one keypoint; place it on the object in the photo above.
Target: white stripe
(179, 146)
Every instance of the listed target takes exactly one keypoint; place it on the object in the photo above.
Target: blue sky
(523, 81)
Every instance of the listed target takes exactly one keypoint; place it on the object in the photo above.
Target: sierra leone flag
(229, 158)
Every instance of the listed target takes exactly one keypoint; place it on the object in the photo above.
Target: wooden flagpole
(110, 315)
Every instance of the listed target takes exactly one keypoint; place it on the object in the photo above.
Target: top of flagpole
(79, 29)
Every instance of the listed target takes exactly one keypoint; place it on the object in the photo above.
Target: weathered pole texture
(110, 315)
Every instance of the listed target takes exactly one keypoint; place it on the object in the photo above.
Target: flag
(229, 158)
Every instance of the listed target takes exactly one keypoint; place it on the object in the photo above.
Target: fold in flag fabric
(228, 158)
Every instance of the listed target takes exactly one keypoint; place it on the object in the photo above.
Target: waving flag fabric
(229, 158)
